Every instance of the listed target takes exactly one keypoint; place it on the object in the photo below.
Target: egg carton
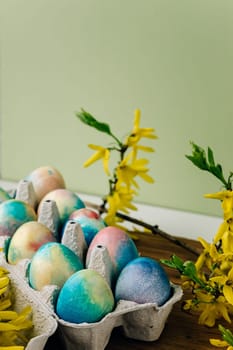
(44, 323)
(138, 321)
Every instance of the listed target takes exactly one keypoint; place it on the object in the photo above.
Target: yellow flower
(119, 200)
(227, 242)
(137, 132)
(227, 339)
(221, 230)
(212, 311)
(126, 171)
(226, 197)
(226, 284)
(101, 153)
(208, 256)
(220, 344)
(137, 148)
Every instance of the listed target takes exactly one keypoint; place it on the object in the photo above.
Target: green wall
(172, 59)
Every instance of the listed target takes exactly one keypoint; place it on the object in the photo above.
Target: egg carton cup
(44, 323)
(138, 321)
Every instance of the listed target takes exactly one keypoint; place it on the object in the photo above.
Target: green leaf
(168, 263)
(197, 161)
(211, 157)
(207, 163)
(175, 262)
(189, 269)
(226, 334)
(88, 119)
(198, 157)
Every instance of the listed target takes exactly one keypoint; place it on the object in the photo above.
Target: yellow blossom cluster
(214, 267)
(122, 179)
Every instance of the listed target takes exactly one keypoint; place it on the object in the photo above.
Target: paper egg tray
(43, 321)
(139, 321)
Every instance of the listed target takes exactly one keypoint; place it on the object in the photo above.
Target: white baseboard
(174, 222)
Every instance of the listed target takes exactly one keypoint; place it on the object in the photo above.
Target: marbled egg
(26, 240)
(66, 201)
(90, 222)
(14, 213)
(52, 264)
(85, 297)
(120, 246)
(143, 280)
(45, 179)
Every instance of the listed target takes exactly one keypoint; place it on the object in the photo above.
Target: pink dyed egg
(120, 246)
(45, 179)
(26, 240)
(89, 213)
(90, 222)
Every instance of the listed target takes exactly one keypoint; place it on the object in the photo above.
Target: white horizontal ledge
(175, 222)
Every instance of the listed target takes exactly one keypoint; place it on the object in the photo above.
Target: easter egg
(143, 280)
(52, 264)
(4, 195)
(66, 201)
(45, 179)
(26, 240)
(14, 213)
(85, 297)
(90, 222)
(120, 246)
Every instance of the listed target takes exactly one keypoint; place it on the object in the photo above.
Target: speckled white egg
(143, 280)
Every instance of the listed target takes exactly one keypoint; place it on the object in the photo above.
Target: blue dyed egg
(66, 201)
(52, 264)
(90, 222)
(120, 246)
(143, 280)
(85, 297)
(14, 213)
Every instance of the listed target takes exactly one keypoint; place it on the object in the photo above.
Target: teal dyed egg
(120, 246)
(14, 213)
(85, 297)
(66, 201)
(90, 222)
(45, 179)
(143, 280)
(52, 264)
(26, 240)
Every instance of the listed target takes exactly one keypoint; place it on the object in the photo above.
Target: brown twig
(153, 228)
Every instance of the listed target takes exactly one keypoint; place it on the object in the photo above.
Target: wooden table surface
(181, 329)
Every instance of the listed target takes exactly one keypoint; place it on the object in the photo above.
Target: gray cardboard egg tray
(139, 321)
